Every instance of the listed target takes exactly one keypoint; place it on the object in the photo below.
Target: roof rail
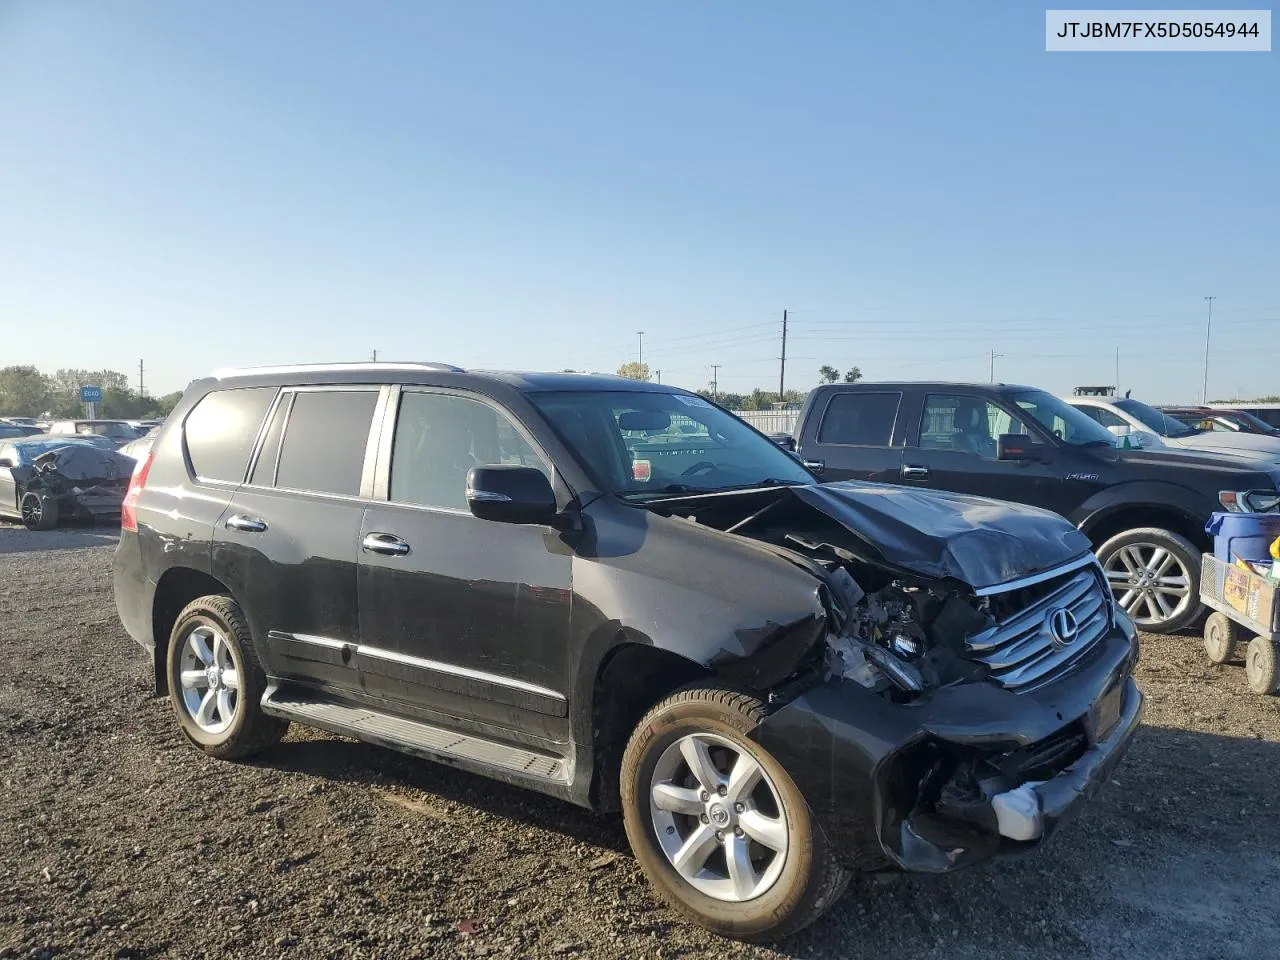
(226, 372)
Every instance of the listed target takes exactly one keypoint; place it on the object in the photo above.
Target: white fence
(770, 421)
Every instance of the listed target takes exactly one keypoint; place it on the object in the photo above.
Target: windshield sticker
(640, 471)
(691, 401)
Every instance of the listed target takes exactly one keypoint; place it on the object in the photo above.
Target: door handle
(814, 466)
(238, 521)
(913, 471)
(384, 543)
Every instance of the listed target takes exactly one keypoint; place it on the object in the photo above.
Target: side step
(414, 737)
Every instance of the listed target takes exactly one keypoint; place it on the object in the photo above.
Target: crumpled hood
(978, 541)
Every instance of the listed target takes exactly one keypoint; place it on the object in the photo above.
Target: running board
(419, 739)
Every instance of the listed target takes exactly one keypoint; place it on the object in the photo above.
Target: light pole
(640, 334)
(1208, 324)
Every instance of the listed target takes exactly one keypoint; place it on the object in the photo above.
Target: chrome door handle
(385, 543)
(814, 466)
(238, 521)
(912, 471)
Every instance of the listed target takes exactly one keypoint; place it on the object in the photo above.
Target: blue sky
(528, 184)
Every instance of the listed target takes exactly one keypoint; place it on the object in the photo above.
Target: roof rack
(332, 367)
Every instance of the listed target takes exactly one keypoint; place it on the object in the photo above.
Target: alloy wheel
(718, 818)
(210, 678)
(1149, 581)
(32, 511)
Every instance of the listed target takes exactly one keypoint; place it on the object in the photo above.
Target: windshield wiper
(1096, 443)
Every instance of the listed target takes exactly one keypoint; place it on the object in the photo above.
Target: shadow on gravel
(1157, 863)
(18, 539)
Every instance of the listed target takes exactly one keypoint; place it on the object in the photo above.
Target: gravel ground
(118, 840)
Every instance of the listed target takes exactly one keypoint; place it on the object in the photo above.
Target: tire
(1220, 637)
(1262, 666)
(1155, 576)
(39, 512)
(780, 890)
(216, 690)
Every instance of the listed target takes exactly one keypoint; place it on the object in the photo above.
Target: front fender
(1141, 494)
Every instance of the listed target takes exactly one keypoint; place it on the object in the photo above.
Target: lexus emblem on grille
(1062, 626)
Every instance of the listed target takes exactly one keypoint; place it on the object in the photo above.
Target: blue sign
(90, 394)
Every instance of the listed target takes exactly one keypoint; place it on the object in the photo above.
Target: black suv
(1144, 510)
(620, 594)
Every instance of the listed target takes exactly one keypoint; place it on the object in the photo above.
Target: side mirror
(784, 440)
(5, 463)
(510, 494)
(1016, 446)
(1120, 430)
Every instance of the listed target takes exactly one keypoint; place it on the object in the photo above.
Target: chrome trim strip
(318, 641)
(1018, 584)
(452, 670)
(434, 665)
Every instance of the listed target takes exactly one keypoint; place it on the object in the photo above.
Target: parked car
(117, 431)
(9, 431)
(1206, 418)
(1268, 413)
(48, 480)
(19, 421)
(621, 595)
(1127, 417)
(1143, 511)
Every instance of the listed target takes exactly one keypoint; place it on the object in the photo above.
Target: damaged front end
(77, 481)
(974, 680)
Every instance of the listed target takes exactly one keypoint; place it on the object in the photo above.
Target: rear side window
(860, 419)
(325, 440)
(220, 431)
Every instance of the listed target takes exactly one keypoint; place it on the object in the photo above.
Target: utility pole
(782, 370)
(991, 372)
(375, 356)
(142, 384)
(658, 375)
(715, 381)
(1208, 324)
(640, 334)
(1117, 371)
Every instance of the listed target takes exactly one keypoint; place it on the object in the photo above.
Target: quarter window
(220, 431)
(440, 437)
(860, 419)
(324, 441)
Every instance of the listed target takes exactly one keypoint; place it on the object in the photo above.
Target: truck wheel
(718, 826)
(1155, 576)
(1260, 666)
(216, 682)
(1220, 635)
(39, 512)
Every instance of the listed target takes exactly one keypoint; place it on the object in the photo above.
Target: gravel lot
(118, 840)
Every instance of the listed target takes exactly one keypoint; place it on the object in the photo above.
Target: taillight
(129, 508)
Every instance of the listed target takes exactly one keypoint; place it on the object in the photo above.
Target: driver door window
(440, 437)
(966, 425)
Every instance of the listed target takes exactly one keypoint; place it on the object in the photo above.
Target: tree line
(757, 399)
(26, 392)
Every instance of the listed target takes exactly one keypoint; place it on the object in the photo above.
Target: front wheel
(1155, 576)
(1220, 636)
(39, 511)
(716, 823)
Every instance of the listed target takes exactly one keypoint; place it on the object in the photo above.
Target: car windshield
(1063, 420)
(638, 443)
(1151, 417)
(28, 450)
(1247, 421)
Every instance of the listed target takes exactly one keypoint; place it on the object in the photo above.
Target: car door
(8, 487)
(855, 435)
(288, 541)
(954, 448)
(461, 617)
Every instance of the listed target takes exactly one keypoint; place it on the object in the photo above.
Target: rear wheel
(717, 824)
(39, 511)
(1155, 576)
(1220, 635)
(216, 682)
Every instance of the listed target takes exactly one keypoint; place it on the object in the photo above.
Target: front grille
(1020, 649)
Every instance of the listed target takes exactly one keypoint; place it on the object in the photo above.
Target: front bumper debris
(963, 773)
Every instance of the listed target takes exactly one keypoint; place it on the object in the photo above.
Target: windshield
(1247, 421)
(28, 450)
(1154, 419)
(1063, 420)
(636, 443)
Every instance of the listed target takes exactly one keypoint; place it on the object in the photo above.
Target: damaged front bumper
(962, 773)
